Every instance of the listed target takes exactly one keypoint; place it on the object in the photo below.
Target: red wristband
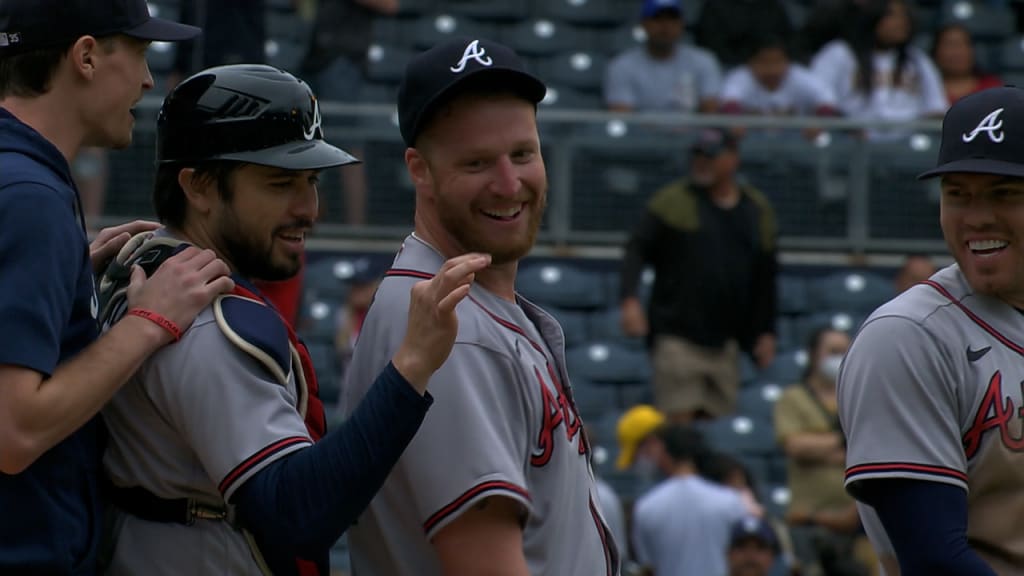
(158, 320)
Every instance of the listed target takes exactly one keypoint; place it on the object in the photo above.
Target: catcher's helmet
(247, 113)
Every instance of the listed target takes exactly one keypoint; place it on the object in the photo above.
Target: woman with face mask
(825, 526)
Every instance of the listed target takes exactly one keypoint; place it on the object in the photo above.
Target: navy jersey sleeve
(41, 255)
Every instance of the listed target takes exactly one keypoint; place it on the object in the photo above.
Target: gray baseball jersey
(931, 390)
(196, 421)
(503, 423)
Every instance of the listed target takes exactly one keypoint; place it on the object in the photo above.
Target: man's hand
(633, 318)
(181, 287)
(433, 324)
(764, 350)
(109, 242)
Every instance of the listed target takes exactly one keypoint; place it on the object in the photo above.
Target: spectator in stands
(916, 268)
(753, 547)
(953, 52)
(664, 75)
(683, 525)
(769, 84)
(730, 28)
(639, 446)
(361, 288)
(712, 242)
(875, 71)
(234, 32)
(335, 64)
(728, 471)
(823, 517)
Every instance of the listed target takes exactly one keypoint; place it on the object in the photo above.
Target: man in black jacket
(712, 243)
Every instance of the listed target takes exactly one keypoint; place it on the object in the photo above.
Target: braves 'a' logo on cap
(315, 124)
(472, 52)
(992, 126)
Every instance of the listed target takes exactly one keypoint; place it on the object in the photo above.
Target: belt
(142, 503)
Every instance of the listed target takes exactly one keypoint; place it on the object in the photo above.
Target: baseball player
(70, 73)
(499, 474)
(212, 464)
(930, 392)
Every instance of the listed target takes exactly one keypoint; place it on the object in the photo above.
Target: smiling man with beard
(212, 465)
(497, 480)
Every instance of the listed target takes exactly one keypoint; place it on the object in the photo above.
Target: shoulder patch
(675, 205)
(257, 330)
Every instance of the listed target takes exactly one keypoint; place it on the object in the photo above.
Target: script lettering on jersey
(996, 411)
(557, 412)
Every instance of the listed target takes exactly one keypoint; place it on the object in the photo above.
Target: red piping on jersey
(904, 467)
(976, 319)
(603, 535)
(496, 486)
(258, 457)
(409, 273)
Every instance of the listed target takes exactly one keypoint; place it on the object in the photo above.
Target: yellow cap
(634, 426)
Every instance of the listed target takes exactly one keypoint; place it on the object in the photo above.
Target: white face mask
(829, 367)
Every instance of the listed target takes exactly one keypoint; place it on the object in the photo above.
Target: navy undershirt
(300, 505)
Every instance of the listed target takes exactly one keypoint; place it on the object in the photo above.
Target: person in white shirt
(877, 74)
(770, 84)
(683, 525)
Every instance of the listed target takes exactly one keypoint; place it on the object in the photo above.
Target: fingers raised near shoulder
(460, 270)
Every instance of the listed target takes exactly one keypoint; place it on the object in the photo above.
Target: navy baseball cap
(652, 8)
(712, 141)
(433, 77)
(753, 528)
(31, 24)
(983, 133)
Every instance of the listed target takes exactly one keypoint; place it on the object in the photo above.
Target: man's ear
(419, 168)
(199, 192)
(83, 55)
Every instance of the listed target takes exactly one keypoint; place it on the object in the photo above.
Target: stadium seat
(574, 324)
(393, 200)
(578, 69)
(399, 32)
(589, 12)
(436, 28)
(415, 7)
(386, 63)
(327, 278)
(571, 99)
(622, 37)
(286, 25)
(605, 324)
(748, 371)
(983, 20)
(758, 401)
(740, 436)
(616, 167)
(539, 37)
(490, 10)
(838, 320)
(627, 485)
(594, 402)
(792, 294)
(613, 280)
(777, 471)
(318, 319)
(858, 292)
(899, 205)
(775, 499)
(325, 362)
(608, 363)
(160, 57)
(1011, 55)
(560, 284)
(786, 369)
(284, 53)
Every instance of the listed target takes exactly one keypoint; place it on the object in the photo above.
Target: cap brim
(312, 155)
(625, 459)
(976, 166)
(160, 30)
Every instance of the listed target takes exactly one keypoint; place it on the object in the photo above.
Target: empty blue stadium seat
(983, 20)
(580, 69)
(386, 63)
(605, 324)
(777, 471)
(540, 37)
(899, 205)
(775, 499)
(318, 319)
(842, 321)
(327, 278)
(433, 29)
(286, 25)
(491, 10)
(560, 284)
(394, 31)
(328, 375)
(589, 12)
(758, 401)
(857, 292)
(1011, 55)
(741, 436)
(608, 363)
(786, 369)
(284, 53)
(792, 294)
(622, 37)
(564, 98)
(593, 401)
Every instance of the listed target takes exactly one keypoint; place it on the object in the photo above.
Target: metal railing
(838, 191)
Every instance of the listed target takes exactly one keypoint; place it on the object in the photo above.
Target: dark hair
(168, 197)
(767, 41)
(941, 31)
(30, 74)
(861, 37)
(683, 443)
(813, 342)
(717, 467)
